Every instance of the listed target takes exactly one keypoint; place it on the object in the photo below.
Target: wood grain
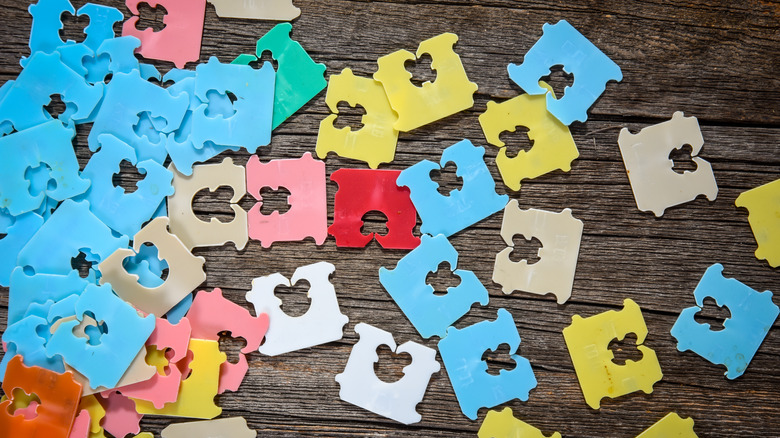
(713, 60)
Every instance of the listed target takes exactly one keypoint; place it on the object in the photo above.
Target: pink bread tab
(179, 41)
(121, 416)
(211, 313)
(308, 215)
(173, 336)
(80, 427)
(232, 374)
(164, 388)
(29, 411)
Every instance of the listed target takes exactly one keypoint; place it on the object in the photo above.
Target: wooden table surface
(714, 60)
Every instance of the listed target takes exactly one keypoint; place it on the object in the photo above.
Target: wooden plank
(666, 68)
(711, 60)
(674, 56)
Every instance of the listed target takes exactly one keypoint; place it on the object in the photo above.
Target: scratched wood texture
(713, 60)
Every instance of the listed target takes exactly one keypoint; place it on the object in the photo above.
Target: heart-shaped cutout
(447, 179)
(349, 116)
(274, 200)
(389, 368)
(712, 314)
(295, 298)
(421, 70)
(231, 346)
(499, 359)
(24, 404)
(442, 279)
(151, 17)
(207, 204)
(625, 349)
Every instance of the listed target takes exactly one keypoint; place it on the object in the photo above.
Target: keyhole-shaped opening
(73, 27)
(390, 366)
(91, 329)
(421, 70)
(443, 279)
(207, 204)
(559, 80)
(374, 222)
(712, 314)
(447, 179)
(295, 298)
(81, 264)
(683, 162)
(625, 349)
(523, 249)
(159, 358)
(274, 200)
(151, 17)
(40, 179)
(349, 116)
(220, 104)
(90, 62)
(498, 359)
(56, 106)
(264, 57)
(516, 141)
(94, 333)
(24, 404)
(149, 127)
(149, 257)
(231, 346)
(127, 177)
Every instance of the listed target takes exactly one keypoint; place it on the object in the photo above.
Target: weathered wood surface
(714, 60)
